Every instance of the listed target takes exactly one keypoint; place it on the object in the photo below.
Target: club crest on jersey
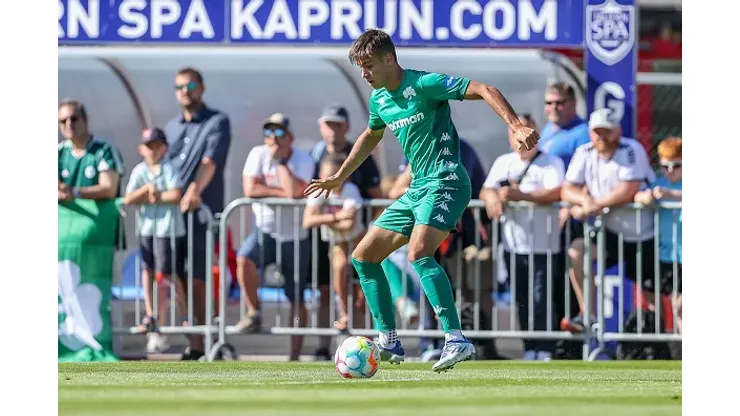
(610, 34)
(409, 92)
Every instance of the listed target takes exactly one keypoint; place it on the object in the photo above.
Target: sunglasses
(190, 86)
(274, 132)
(556, 102)
(670, 165)
(73, 119)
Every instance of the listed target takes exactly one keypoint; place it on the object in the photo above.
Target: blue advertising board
(605, 29)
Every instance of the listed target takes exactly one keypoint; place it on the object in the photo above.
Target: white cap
(600, 119)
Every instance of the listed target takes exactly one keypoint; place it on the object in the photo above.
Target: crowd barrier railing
(496, 257)
(180, 307)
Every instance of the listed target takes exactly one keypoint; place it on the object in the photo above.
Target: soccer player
(414, 105)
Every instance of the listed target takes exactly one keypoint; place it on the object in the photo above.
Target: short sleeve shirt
(262, 166)
(418, 113)
(162, 220)
(83, 171)
(206, 135)
(601, 176)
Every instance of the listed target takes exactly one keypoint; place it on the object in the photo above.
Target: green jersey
(83, 170)
(418, 113)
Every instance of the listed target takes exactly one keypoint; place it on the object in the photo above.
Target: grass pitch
(472, 388)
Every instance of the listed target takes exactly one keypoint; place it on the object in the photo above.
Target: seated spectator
(668, 187)
(608, 173)
(531, 239)
(153, 186)
(343, 226)
(275, 169)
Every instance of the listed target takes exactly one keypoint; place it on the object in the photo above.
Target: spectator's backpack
(643, 350)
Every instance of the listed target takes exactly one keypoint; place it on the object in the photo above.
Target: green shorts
(438, 207)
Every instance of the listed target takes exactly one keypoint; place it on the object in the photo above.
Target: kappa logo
(610, 34)
(440, 218)
(445, 137)
(443, 206)
(447, 196)
(452, 177)
(409, 92)
(446, 152)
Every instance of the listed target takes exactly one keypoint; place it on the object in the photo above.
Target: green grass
(473, 388)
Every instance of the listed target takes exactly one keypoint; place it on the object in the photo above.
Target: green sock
(395, 279)
(437, 287)
(377, 294)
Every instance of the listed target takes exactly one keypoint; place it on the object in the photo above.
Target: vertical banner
(611, 59)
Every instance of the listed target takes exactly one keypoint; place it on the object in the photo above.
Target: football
(357, 357)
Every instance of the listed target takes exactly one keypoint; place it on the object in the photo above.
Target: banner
(87, 234)
(410, 22)
(611, 60)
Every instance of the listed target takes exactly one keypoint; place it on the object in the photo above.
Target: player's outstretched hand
(321, 187)
(526, 136)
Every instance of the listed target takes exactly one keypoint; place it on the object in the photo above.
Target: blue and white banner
(606, 29)
(410, 22)
(611, 36)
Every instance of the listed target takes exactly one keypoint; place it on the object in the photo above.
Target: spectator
(564, 131)
(608, 173)
(668, 187)
(343, 226)
(537, 177)
(275, 169)
(153, 185)
(199, 139)
(333, 127)
(89, 166)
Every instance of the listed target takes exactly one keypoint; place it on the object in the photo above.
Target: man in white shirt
(607, 173)
(275, 170)
(531, 237)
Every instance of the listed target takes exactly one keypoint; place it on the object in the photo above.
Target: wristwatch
(283, 161)
(76, 192)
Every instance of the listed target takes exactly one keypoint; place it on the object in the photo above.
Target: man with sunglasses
(564, 131)
(89, 167)
(199, 139)
(275, 169)
(607, 173)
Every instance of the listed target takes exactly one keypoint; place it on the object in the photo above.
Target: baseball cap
(600, 119)
(336, 113)
(277, 119)
(153, 134)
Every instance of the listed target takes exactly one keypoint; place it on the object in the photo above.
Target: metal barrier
(474, 276)
(188, 323)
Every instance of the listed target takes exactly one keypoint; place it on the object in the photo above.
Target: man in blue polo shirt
(199, 137)
(564, 131)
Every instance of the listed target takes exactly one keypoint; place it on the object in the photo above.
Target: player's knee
(418, 253)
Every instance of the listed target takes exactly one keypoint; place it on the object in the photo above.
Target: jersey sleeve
(576, 173)
(374, 122)
(441, 87)
(110, 159)
(635, 166)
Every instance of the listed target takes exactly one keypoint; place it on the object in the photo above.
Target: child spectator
(668, 187)
(153, 186)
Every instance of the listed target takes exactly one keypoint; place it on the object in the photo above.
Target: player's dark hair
(563, 89)
(79, 108)
(372, 43)
(191, 72)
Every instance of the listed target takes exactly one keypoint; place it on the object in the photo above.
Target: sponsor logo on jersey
(405, 122)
